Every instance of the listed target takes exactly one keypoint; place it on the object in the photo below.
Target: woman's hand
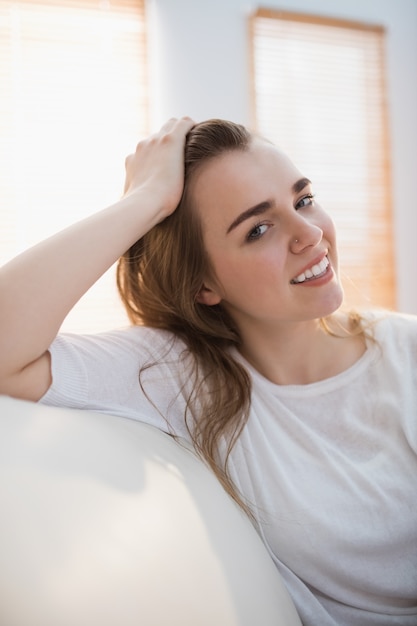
(157, 167)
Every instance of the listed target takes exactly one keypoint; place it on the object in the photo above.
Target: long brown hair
(159, 279)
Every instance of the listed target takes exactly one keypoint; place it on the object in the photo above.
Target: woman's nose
(305, 235)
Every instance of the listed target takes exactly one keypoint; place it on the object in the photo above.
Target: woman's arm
(39, 287)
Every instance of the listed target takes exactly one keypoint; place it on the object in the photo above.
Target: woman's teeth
(312, 272)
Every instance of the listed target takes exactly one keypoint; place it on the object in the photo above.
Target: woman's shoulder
(392, 327)
(129, 340)
(139, 334)
(391, 319)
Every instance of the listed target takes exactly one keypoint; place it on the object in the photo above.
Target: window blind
(318, 92)
(73, 84)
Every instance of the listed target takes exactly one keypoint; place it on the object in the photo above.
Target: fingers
(172, 132)
(178, 123)
(158, 163)
(174, 126)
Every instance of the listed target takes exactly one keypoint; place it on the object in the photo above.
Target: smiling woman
(305, 413)
(288, 233)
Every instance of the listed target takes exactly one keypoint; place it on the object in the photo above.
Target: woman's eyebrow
(258, 209)
(300, 184)
(264, 206)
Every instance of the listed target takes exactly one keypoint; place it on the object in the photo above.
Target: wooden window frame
(356, 294)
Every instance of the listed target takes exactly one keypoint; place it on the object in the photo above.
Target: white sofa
(106, 521)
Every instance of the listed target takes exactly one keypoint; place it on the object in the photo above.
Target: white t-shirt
(330, 468)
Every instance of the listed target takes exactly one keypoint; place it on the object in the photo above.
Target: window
(318, 93)
(73, 105)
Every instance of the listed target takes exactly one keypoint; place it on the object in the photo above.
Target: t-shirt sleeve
(102, 373)
(69, 374)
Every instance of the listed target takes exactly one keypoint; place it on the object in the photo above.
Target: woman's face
(271, 246)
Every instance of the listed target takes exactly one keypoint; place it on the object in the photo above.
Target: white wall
(200, 68)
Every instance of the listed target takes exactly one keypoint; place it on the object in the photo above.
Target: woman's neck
(304, 352)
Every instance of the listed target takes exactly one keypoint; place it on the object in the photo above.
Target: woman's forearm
(39, 287)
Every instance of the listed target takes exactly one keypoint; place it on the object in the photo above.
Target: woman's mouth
(313, 272)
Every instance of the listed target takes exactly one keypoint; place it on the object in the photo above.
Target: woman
(306, 414)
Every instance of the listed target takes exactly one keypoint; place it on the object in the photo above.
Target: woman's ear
(208, 296)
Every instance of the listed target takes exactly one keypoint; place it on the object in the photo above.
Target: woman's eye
(257, 232)
(305, 201)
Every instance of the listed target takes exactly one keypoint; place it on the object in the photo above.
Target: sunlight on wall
(73, 105)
